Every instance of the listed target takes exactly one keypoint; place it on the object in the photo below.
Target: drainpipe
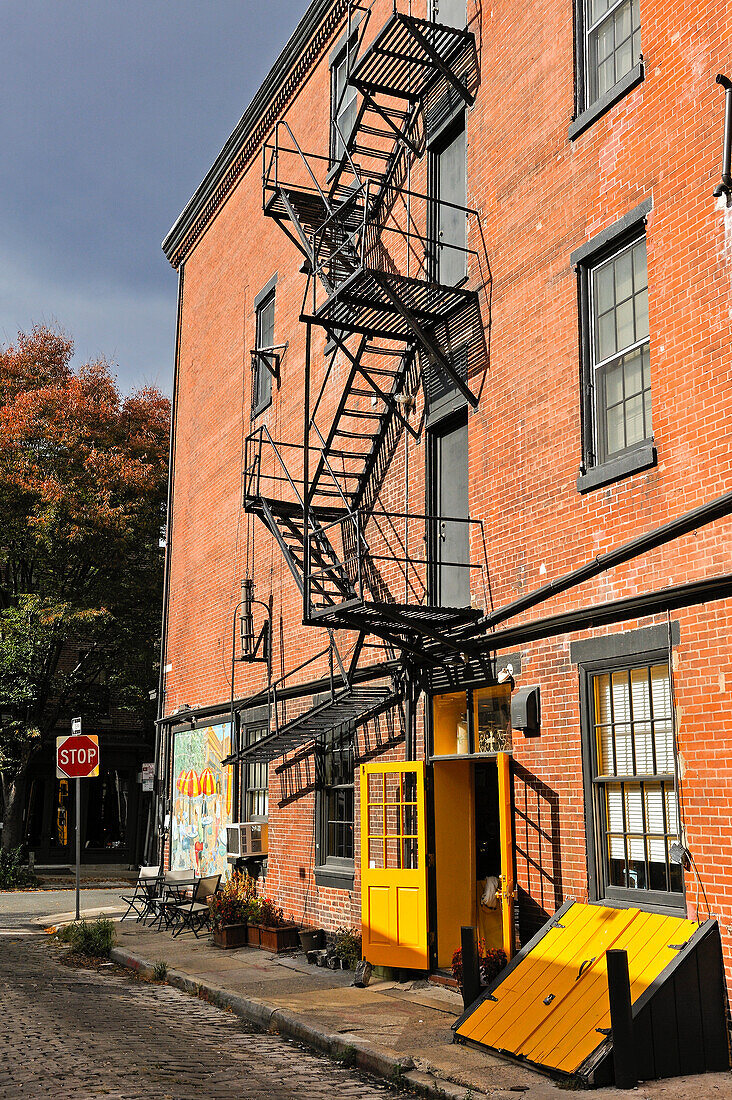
(154, 841)
(725, 187)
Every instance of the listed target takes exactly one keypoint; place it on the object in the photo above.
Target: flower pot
(311, 939)
(253, 935)
(284, 938)
(230, 935)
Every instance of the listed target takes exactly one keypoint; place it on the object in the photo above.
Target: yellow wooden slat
(585, 1005)
(608, 926)
(496, 1022)
(648, 955)
(498, 1016)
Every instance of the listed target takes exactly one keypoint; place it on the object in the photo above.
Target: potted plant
(230, 910)
(275, 933)
(253, 908)
(491, 962)
(347, 946)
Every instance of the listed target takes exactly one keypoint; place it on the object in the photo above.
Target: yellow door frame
(508, 878)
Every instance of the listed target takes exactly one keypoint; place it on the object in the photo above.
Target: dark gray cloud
(113, 110)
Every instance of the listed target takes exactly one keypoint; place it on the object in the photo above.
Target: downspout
(154, 841)
(725, 187)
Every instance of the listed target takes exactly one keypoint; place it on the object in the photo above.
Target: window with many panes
(632, 801)
(262, 360)
(620, 351)
(336, 801)
(612, 44)
(343, 101)
(255, 787)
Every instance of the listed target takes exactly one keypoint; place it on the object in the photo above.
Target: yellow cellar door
(394, 865)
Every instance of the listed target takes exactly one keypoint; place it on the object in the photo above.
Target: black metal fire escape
(368, 244)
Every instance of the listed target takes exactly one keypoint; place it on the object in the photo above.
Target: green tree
(83, 475)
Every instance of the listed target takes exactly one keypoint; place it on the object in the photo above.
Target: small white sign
(76, 725)
(148, 775)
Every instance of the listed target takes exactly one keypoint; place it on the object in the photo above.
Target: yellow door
(508, 881)
(394, 865)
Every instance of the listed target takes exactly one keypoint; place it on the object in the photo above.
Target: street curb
(350, 1052)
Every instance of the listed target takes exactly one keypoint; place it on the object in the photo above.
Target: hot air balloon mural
(203, 806)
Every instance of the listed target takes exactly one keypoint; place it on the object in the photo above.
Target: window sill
(630, 462)
(336, 878)
(649, 901)
(586, 118)
(260, 409)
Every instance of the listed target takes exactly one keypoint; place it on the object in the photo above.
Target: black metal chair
(145, 890)
(174, 887)
(194, 914)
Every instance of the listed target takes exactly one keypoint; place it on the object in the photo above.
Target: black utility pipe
(295, 691)
(470, 966)
(621, 1019)
(161, 779)
(613, 611)
(725, 187)
(682, 525)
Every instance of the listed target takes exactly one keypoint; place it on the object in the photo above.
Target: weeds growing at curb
(94, 939)
(160, 971)
(346, 1058)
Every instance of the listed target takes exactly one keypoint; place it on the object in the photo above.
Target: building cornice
(311, 36)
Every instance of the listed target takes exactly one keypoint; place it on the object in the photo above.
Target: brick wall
(539, 196)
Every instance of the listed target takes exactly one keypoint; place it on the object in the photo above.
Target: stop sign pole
(77, 757)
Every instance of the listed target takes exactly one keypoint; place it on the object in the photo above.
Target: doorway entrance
(473, 820)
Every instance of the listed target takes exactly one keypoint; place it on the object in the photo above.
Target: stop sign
(77, 757)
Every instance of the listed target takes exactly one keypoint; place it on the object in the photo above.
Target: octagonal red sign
(77, 757)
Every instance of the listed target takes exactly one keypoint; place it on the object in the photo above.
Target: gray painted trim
(628, 643)
(338, 48)
(265, 291)
(265, 94)
(605, 102)
(629, 462)
(337, 880)
(630, 221)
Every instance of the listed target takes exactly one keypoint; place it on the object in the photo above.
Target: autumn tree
(83, 474)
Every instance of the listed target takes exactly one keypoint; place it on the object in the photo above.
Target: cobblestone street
(70, 1032)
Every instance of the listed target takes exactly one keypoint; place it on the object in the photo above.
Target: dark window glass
(634, 792)
(337, 840)
(262, 362)
(343, 104)
(256, 779)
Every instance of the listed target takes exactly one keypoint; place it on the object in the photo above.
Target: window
(336, 848)
(255, 792)
(630, 773)
(609, 59)
(261, 362)
(617, 430)
(343, 101)
(620, 351)
(613, 43)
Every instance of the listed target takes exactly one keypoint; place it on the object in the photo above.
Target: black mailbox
(526, 711)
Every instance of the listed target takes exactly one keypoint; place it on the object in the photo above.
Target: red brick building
(452, 389)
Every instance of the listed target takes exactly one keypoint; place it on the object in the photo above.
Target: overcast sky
(112, 112)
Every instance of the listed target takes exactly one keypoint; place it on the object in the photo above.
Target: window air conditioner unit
(246, 839)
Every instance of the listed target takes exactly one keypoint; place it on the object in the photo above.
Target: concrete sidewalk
(397, 1030)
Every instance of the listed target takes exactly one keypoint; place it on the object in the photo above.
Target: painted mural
(201, 800)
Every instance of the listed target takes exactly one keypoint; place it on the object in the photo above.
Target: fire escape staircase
(396, 320)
